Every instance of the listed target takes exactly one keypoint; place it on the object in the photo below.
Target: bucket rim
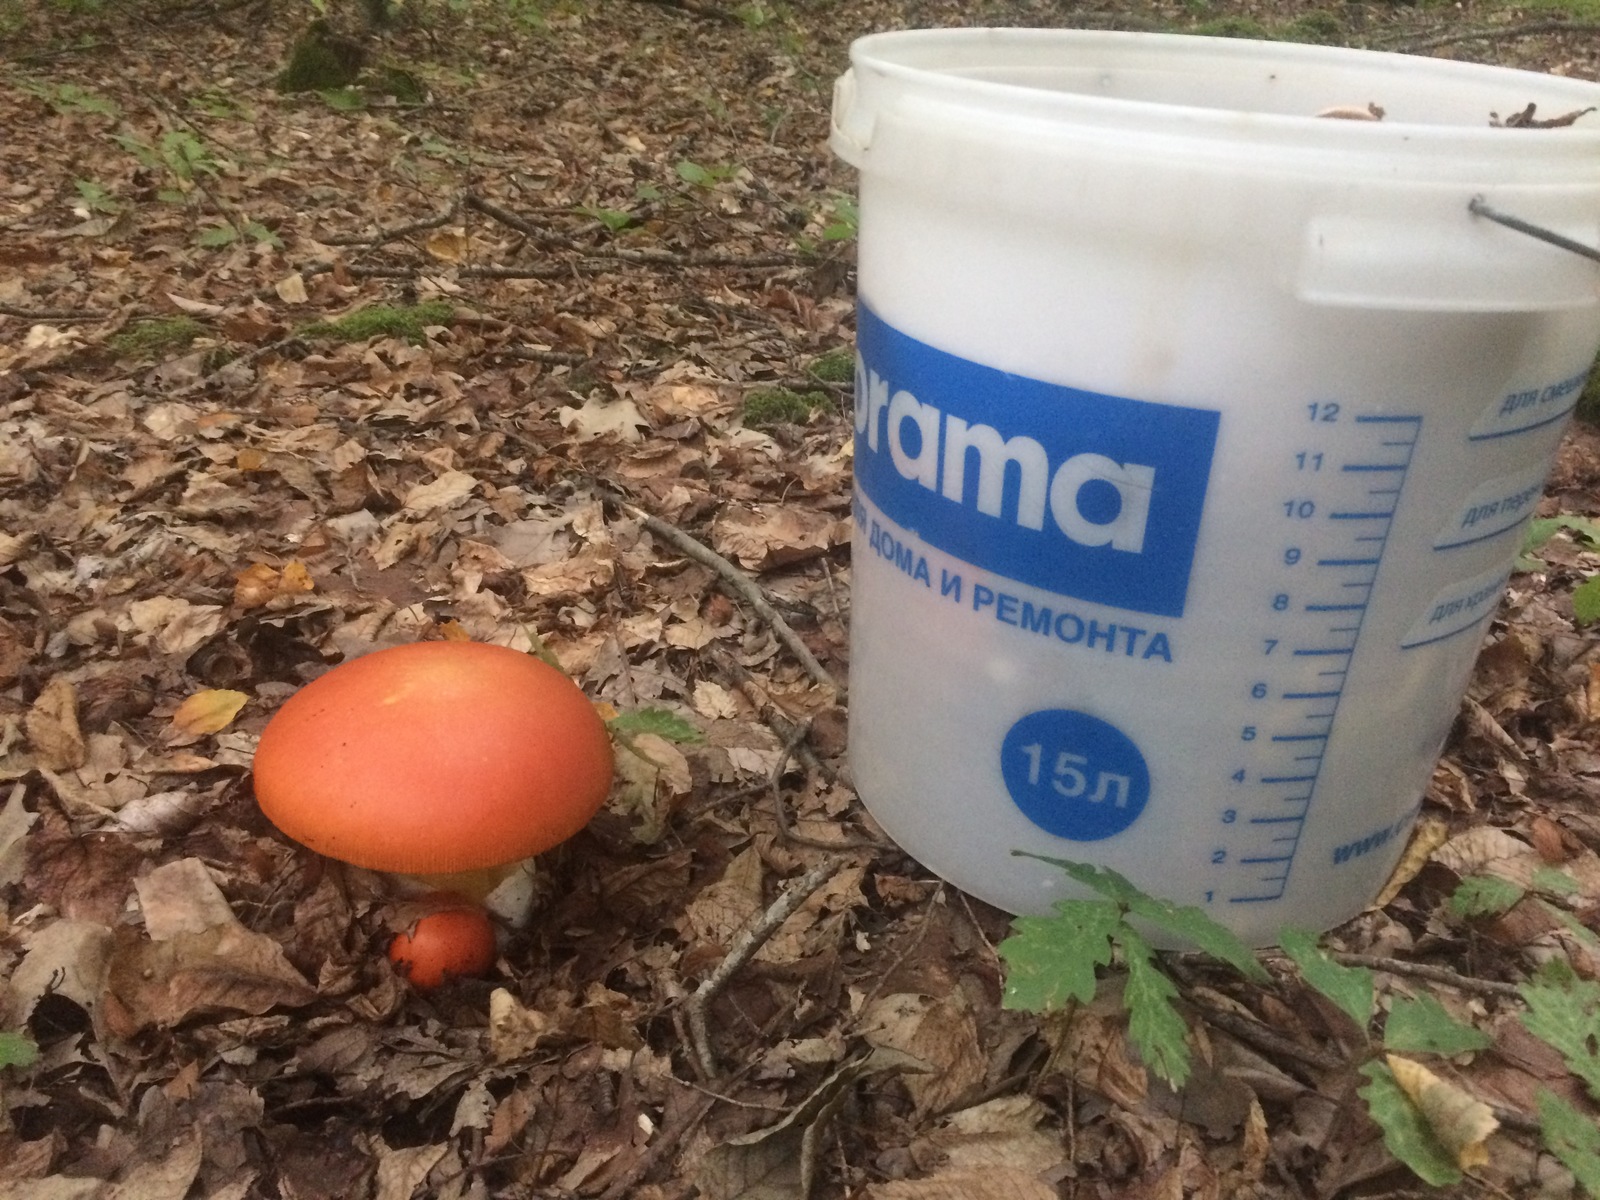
(893, 54)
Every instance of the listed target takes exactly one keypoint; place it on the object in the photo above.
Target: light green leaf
(1586, 601)
(659, 721)
(693, 172)
(1484, 896)
(1421, 1025)
(17, 1050)
(1554, 881)
(1052, 960)
(1348, 987)
(1155, 1027)
(217, 235)
(260, 233)
(1405, 1131)
(1566, 1014)
(1574, 926)
(1190, 924)
(1571, 1137)
(613, 219)
(345, 99)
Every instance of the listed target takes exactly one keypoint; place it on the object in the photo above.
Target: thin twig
(769, 711)
(52, 314)
(390, 235)
(1271, 1042)
(1432, 973)
(747, 588)
(666, 258)
(750, 939)
(1505, 34)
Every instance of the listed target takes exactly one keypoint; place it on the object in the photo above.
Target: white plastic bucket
(1195, 439)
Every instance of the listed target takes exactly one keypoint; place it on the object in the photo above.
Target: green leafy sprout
(1052, 963)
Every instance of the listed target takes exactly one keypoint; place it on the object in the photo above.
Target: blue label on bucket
(1074, 775)
(1085, 495)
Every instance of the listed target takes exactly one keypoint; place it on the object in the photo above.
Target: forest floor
(287, 377)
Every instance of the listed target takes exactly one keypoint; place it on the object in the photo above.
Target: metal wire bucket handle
(1478, 207)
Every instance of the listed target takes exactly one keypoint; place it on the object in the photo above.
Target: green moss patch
(150, 338)
(384, 320)
(321, 61)
(836, 366)
(766, 407)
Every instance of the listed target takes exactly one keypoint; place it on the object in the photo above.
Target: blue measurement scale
(1328, 567)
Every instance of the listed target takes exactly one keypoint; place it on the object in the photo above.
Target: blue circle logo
(1074, 775)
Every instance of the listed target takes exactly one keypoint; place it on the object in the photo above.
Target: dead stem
(745, 945)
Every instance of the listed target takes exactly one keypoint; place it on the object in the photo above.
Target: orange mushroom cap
(434, 757)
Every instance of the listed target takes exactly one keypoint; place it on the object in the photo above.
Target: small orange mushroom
(451, 938)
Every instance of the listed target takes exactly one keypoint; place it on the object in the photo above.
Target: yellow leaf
(209, 711)
(291, 289)
(1460, 1121)
(1429, 834)
(255, 585)
(295, 578)
(249, 459)
(447, 245)
(454, 631)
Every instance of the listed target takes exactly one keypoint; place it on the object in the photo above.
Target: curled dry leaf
(1460, 1121)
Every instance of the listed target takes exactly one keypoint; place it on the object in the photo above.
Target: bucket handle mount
(1479, 207)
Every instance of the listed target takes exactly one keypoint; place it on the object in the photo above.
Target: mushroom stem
(474, 885)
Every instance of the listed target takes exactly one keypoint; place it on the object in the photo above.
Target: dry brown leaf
(515, 1030)
(15, 821)
(598, 418)
(210, 711)
(723, 908)
(1001, 1184)
(447, 491)
(225, 968)
(1004, 1134)
(52, 727)
(181, 897)
(1460, 1121)
(401, 1172)
(1485, 850)
(941, 1031)
(770, 536)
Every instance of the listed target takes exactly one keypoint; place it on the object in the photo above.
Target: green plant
(766, 407)
(178, 153)
(705, 177)
(215, 236)
(94, 198)
(615, 220)
(17, 1050)
(148, 338)
(845, 221)
(382, 320)
(68, 99)
(1052, 962)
